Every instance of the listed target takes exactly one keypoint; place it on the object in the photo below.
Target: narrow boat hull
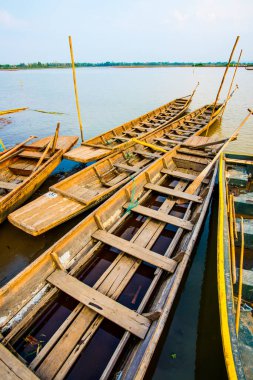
(121, 266)
(118, 138)
(84, 190)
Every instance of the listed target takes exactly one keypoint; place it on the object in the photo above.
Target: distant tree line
(40, 65)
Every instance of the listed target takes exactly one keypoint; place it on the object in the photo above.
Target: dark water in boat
(109, 97)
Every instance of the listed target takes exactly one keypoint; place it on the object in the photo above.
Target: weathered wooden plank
(21, 169)
(115, 180)
(147, 154)
(194, 152)
(236, 161)
(162, 217)
(174, 193)
(84, 199)
(17, 370)
(105, 306)
(182, 175)
(129, 168)
(135, 250)
(8, 185)
(33, 155)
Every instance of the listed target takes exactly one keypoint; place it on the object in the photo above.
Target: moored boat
(107, 287)
(235, 275)
(95, 183)
(24, 168)
(118, 137)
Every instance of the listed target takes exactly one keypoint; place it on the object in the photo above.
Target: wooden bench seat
(115, 180)
(194, 152)
(168, 141)
(182, 175)
(33, 155)
(21, 169)
(121, 315)
(174, 193)
(8, 185)
(135, 250)
(129, 168)
(162, 217)
(147, 154)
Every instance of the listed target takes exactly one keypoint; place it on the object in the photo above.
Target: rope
(133, 202)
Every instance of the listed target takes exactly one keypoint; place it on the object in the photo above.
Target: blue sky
(130, 30)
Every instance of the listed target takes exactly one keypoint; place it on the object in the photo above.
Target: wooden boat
(105, 289)
(117, 138)
(25, 167)
(95, 183)
(6, 112)
(236, 320)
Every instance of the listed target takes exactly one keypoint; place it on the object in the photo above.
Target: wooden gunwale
(73, 243)
(29, 217)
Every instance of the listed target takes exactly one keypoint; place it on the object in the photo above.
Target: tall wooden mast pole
(223, 78)
(75, 87)
(232, 81)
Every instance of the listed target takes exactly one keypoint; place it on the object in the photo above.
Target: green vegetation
(40, 65)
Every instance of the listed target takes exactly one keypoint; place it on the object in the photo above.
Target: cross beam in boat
(178, 174)
(13, 369)
(8, 185)
(147, 154)
(121, 315)
(133, 169)
(174, 193)
(162, 217)
(236, 161)
(135, 250)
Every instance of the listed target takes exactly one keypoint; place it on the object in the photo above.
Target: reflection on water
(109, 97)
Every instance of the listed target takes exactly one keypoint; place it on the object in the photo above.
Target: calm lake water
(109, 97)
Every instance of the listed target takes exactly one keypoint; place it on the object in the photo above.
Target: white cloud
(179, 16)
(8, 21)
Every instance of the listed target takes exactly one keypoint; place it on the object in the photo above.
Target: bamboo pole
(232, 81)
(56, 135)
(149, 145)
(198, 180)
(227, 196)
(15, 148)
(233, 203)
(195, 89)
(75, 87)
(238, 309)
(232, 239)
(223, 78)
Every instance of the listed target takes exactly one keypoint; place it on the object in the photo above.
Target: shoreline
(125, 67)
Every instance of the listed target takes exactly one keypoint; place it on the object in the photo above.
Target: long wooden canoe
(116, 138)
(95, 183)
(105, 290)
(236, 200)
(20, 175)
